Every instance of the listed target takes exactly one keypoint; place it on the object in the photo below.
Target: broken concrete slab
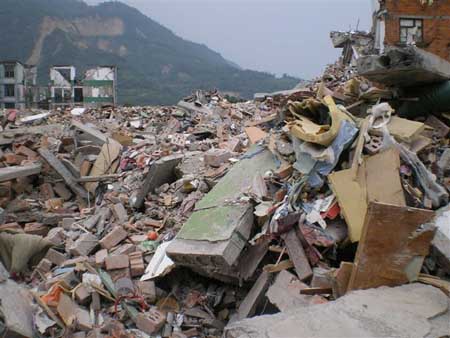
(217, 231)
(161, 171)
(441, 241)
(404, 67)
(415, 310)
(393, 245)
(16, 310)
(284, 293)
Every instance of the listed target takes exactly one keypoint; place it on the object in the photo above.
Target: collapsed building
(19, 88)
(96, 88)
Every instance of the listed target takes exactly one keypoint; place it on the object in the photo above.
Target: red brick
(25, 151)
(55, 257)
(100, 257)
(436, 24)
(151, 321)
(117, 235)
(115, 262)
(137, 266)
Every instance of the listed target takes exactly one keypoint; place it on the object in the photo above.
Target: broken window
(411, 30)
(10, 90)
(63, 95)
(9, 71)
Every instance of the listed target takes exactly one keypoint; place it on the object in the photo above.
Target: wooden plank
(106, 162)
(316, 291)
(161, 172)
(63, 172)
(281, 266)
(255, 296)
(251, 258)
(10, 173)
(342, 279)
(351, 194)
(383, 178)
(297, 255)
(84, 179)
(394, 243)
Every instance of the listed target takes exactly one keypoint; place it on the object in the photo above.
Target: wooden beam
(10, 173)
(84, 179)
(297, 255)
(64, 173)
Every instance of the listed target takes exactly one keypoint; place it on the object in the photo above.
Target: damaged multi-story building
(96, 88)
(424, 23)
(17, 85)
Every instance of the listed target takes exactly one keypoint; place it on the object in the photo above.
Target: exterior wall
(436, 23)
(18, 100)
(100, 86)
(61, 84)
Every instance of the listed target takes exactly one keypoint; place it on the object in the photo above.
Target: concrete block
(213, 237)
(404, 67)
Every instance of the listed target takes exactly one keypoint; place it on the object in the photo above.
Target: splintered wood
(394, 243)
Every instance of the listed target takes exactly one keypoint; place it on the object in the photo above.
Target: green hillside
(155, 65)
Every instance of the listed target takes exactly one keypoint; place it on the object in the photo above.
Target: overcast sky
(277, 36)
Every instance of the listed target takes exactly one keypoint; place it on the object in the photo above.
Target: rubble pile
(178, 221)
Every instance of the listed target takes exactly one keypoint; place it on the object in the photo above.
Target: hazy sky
(278, 36)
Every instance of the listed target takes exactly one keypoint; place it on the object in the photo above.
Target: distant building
(17, 85)
(99, 86)
(96, 88)
(424, 23)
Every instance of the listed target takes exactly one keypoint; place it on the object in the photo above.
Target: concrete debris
(404, 67)
(415, 310)
(176, 221)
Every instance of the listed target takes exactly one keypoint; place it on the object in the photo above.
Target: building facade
(96, 88)
(17, 85)
(424, 23)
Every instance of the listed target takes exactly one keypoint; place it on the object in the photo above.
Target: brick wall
(436, 23)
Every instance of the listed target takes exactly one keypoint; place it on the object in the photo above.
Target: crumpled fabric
(318, 161)
(18, 251)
